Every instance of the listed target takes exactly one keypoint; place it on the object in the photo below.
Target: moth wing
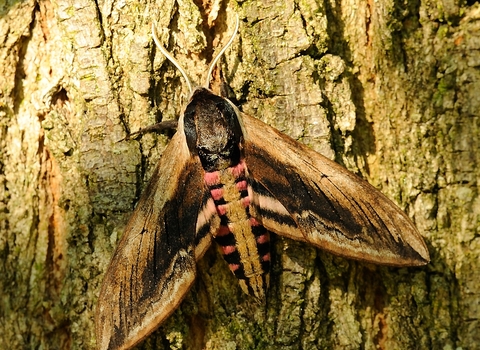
(305, 196)
(153, 266)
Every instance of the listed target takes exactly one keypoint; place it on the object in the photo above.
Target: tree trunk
(389, 89)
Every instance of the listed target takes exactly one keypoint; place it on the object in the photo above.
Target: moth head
(212, 130)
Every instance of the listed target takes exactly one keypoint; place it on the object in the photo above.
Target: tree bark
(389, 89)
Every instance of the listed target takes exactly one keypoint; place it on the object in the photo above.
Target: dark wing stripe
(202, 233)
(361, 213)
(265, 206)
(264, 213)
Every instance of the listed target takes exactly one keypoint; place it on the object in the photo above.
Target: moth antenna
(171, 58)
(212, 65)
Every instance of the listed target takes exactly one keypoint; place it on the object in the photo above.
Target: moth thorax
(216, 142)
(213, 132)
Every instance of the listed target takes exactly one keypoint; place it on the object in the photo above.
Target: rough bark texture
(389, 88)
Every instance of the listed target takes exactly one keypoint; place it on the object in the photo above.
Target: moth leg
(157, 128)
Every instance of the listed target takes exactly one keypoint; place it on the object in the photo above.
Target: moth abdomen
(244, 242)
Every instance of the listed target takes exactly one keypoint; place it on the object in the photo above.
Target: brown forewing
(154, 264)
(333, 209)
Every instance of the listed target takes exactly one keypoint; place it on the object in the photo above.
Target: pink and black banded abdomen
(243, 240)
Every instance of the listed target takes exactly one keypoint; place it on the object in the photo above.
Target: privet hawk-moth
(230, 178)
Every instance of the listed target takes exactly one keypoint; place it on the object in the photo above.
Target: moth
(230, 178)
